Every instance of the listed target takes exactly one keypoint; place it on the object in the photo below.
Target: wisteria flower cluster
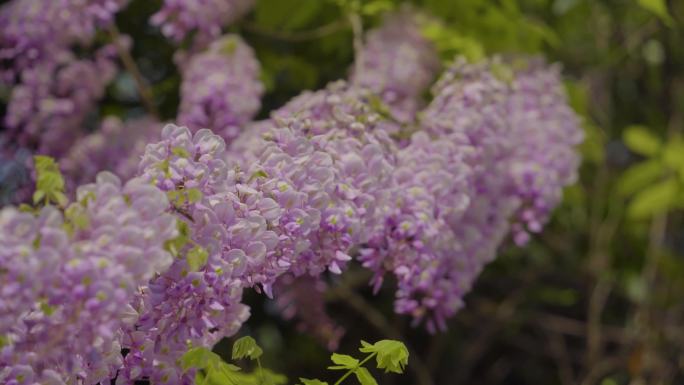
(66, 280)
(221, 88)
(178, 18)
(171, 226)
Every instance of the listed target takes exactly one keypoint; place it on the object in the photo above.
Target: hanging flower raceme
(415, 241)
(398, 64)
(67, 280)
(37, 32)
(178, 18)
(545, 133)
(47, 110)
(221, 89)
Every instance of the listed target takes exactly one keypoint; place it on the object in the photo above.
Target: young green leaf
(642, 141)
(314, 381)
(246, 347)
(49, 181)
(197, 358)
(392, 356)
(365, 377)
(343, 361)
(659, 8)
(656, 199)
(197, 257)
(640, 176)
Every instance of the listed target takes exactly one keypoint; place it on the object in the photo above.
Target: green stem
(261, 372)
(350, 371)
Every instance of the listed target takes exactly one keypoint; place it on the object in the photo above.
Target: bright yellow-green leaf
(673, 155)
(246, 347)
(313, 381)
(659, 8)
(640, 176)
(343, 361)
(640, 140)
(197, 257)
(392, 355)
(365, 377)
(656, 199)
(194, 195)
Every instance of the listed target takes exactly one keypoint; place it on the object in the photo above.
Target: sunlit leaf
(343, 361)
(659, 8)
(314, 381)
(246, 347)
(640, 176)
(656, 199)
(392, 356)
(365, 377)
(640, 140)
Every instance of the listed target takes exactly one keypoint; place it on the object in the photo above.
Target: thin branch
(140, 83)
(298, 36)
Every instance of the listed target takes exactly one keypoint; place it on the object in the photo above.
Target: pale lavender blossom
(67, 280)
(398, 64)
(47, 110)
(38, 31)
(177, 18)
(221, 88)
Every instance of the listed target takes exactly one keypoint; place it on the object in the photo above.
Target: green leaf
(194, 195)
(181, 152)
(656, 199)
(197, 257)
(673, 155)
(376, 7)
(174, 245)
(246, 347)
(343, 361)
(658, 8)
(639, 176)
(640, 140)
(392, 356)
(313, 381)
(197, 358)
(49, 181)
(365, 377)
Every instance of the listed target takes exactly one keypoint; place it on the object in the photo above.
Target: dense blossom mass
(42, 31)
(221, 88)
(398, 64)
(178, 18)
(154, 255)
(67, 279)
(48, 109)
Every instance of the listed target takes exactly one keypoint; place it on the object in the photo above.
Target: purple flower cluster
(66, 281)
(398, 64)
(545, 133)
(293, 197)
(415, 242)
(53, 91)
(178, 18)
(47, 109)
(116, 146)
(39, 31)
(221, 89)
